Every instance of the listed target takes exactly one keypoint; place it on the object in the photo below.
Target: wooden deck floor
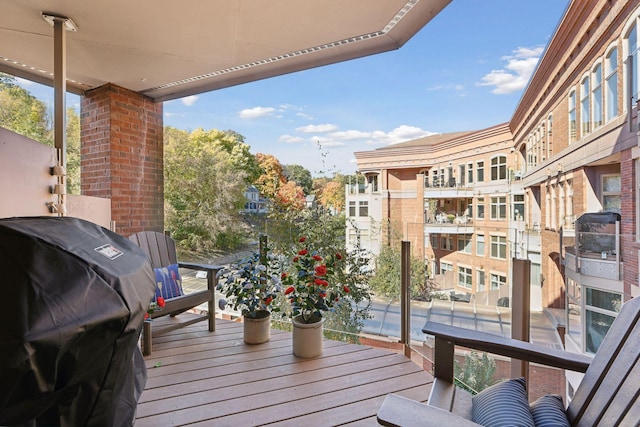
(206, 378)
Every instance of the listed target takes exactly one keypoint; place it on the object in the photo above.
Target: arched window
(572, 117)
(631, 46)
(498, 168)
(585, 106)
(596, 96)
(611, 85)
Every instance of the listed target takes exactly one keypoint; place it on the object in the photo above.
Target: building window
(498, 168)
(600, 310)
(611, 186)
(480, 171)
(464, 243)
(447, 242)
(518, 207)
(585, 107)
(464, 277)
(480, 208)
(480, 244)
(499, 247)
(481, 284)
(497, 280)
(596, 96)
(631, 44)
(572, 117)
(549, 151)
(470, 173)
(352, 208)
(462, 173)
(373, 183)
(547, 208)
(499, 207)
(364, 208)
(434, 240)
(444, 267)
(611, 84)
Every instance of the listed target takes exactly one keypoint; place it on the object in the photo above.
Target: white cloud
(256, 112)
(516, 73)
(304, 116)
(290, 139)
(317, 128)
(189, 100)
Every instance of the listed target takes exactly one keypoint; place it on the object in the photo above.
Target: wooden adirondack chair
(161, 250)
(607, 396)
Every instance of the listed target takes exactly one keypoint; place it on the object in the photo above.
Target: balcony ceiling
(171, 49)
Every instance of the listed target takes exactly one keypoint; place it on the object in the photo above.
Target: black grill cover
(72, 301)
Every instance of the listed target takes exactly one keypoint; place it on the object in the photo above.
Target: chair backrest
(160, 248)
(608, 394)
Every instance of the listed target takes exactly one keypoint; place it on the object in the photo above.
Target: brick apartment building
(536, 187)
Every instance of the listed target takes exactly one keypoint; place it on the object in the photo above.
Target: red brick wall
(122, 156)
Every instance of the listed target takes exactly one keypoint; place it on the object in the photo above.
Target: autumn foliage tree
(271, 177)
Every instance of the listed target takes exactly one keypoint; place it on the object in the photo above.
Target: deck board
(203, 378)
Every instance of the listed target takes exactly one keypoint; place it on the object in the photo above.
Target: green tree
(203, 190)
(476, 373)
(22, 112)
(73, 151)
(387, 278)
(300, 175)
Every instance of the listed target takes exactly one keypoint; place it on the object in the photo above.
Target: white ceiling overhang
(169, 49)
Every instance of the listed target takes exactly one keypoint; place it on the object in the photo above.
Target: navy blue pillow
(503, 405)
(548, 411)
(168, 282)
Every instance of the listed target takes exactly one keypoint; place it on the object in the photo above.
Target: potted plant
(252, 290)
(311, 290)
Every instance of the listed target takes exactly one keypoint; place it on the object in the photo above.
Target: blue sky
(465, 70)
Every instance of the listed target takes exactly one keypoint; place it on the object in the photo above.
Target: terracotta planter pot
(307, 337)
(257, 329)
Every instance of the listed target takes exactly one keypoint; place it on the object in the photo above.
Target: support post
(405, 297)
(60, 87)
(520, 311)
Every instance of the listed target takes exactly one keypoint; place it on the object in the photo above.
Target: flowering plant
(153, 306)
(310, 286)
(249, 284)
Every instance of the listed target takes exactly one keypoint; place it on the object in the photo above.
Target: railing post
(520, 309)
(405, 297)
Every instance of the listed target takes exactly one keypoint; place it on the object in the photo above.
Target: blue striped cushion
(168, 282)
(548, 411)
(503, 405)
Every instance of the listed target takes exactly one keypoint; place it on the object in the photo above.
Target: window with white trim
(585, 106)
(518, 207)
(363, 208)
(445, 266)
(498, 207)
(464, 243)
(497, 280)
(465, 278)
(498, 168)
(352, 208)
(573, 137)
(499, 247)
(480, 244)
(469, 173)
(611, 84)
(481, 279)
(611, 187)
(596, 96)
(631, 45)
(600, 310)
(480, 207)
(480, 171)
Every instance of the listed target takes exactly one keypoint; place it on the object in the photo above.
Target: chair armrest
(203, 267)
(398, 411)
(509, 347)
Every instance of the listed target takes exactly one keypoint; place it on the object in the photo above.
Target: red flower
(317, 257)
(146, 316)
(338, 255)
(346, 289)
(321, 270)
(303, 252)
(323, 294)
(289, 290)
(321, 282)
(268, 300)
(295, 259)
(160, 302)
(302, 239)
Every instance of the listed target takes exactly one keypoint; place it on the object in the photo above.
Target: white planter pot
(257, 330)
(307, 337)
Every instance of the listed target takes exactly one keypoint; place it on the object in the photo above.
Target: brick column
(628, 220)
(122, 156)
